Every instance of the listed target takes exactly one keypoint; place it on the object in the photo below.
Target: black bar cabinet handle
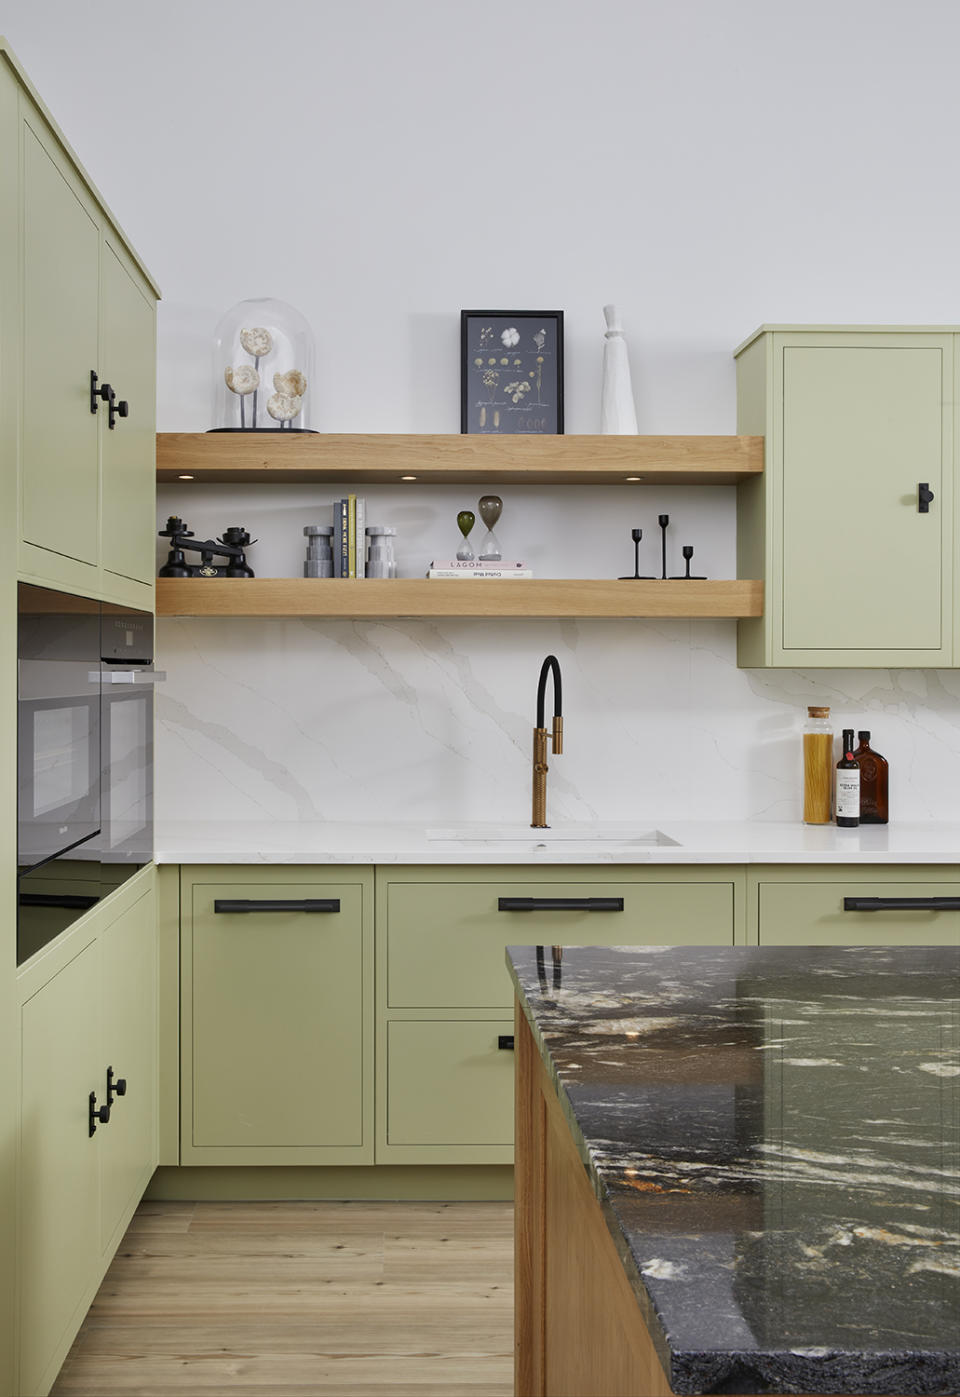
(273, 904)
(901, 904)
(924, 496)
(560, 904)
(505, 1040)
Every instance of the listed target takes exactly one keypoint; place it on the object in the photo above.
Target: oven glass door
(126, 841)
(58, 723)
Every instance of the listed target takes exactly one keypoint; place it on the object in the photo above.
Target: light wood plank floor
(303, 1300)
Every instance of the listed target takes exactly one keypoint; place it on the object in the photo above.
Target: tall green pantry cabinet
(852, 524)
(77, 471)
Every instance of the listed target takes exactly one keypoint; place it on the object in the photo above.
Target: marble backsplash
(431, 721)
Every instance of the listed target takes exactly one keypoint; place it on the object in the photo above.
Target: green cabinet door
(445, 942)
(450, 1082)
(128, 460)
(61, 249)
(128, 985)
(277, 1024)
(59, 1211)
(838, 910)
(855, 572)
(862, 566)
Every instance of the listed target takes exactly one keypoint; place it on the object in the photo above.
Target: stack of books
(478, 568)
(350, 536)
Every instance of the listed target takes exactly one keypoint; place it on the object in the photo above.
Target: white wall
(381, 165)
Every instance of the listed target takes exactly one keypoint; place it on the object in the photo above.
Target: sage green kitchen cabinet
(129, 452)
(444, 1022)
(856, 422)
(276, 1016)
(59, 1213)
(87, 1003)
(84, 306)
(128, 1045)
(853, 905)
(61, 282)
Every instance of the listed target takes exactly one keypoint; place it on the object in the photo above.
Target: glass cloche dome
(262, 369)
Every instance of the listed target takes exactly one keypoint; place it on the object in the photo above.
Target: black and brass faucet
(549, 665)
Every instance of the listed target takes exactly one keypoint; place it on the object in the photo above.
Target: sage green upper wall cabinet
(855, 421)
(61, 279)
(83, 305)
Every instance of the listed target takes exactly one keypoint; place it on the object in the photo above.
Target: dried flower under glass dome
(260, 342)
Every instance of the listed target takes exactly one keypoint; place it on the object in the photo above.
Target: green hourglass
(465, 522)
(490, 507)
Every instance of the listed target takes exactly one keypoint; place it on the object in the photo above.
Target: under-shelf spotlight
(184, 477)
(634, 477)
(408, 477)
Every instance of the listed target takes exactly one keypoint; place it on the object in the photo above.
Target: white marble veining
(429, 723)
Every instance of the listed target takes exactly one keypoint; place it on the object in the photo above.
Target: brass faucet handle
(557, 734)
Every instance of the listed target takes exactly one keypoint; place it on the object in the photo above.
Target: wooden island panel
(579, 1331)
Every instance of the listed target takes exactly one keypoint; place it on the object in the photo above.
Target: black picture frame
(511, 372)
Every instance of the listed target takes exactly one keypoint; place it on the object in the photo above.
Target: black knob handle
(102, 1115)
(505, 1040)
(924, 496)
(116, 1086)
(116, 409)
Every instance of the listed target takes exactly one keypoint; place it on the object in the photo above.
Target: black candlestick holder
(687, 551)
(636, 535)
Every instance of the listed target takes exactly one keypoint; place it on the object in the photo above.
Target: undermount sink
(624, 836)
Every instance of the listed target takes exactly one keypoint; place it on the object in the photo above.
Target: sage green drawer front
(277, 1013)
(445, 941)
(812, 914)
(449, 1083)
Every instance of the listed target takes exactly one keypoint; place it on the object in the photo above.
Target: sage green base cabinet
(856, 421)
(87, 1004)
(444, 1023)
(84, 305)
(277, 1016)
(837, 906)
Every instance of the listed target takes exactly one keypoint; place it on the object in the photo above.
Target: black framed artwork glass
(511, 372)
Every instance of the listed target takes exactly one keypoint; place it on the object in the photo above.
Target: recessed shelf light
(634, 477)
(184, 477)
(408, 477)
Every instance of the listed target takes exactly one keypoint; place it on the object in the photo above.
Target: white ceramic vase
(618, 415)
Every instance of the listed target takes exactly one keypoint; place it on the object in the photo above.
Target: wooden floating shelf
(220, 457)
(519, 598)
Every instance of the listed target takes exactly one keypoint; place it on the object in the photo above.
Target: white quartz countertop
(463, 842)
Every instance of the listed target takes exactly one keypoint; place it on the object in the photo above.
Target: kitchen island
(738, 1170)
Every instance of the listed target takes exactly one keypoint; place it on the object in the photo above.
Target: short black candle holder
(687, 551)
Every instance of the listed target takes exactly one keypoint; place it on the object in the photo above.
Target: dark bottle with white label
(874, 782)
(847, 795)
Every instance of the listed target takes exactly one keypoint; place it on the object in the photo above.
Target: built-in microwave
(85, 757)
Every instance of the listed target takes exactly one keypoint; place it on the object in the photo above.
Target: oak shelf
(232, 457)
(518, 598)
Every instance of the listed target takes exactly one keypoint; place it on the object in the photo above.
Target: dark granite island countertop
(773, 1136)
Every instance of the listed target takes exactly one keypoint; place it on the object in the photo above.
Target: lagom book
(478, 564)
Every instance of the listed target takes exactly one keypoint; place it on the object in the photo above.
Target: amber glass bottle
(874, 783)
(848, 785)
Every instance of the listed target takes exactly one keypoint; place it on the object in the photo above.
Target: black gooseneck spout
(550, 665)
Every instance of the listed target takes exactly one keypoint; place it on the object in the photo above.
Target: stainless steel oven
(58, 723)
(85, 757)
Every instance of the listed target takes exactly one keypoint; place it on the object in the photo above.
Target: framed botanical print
(511, 372)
